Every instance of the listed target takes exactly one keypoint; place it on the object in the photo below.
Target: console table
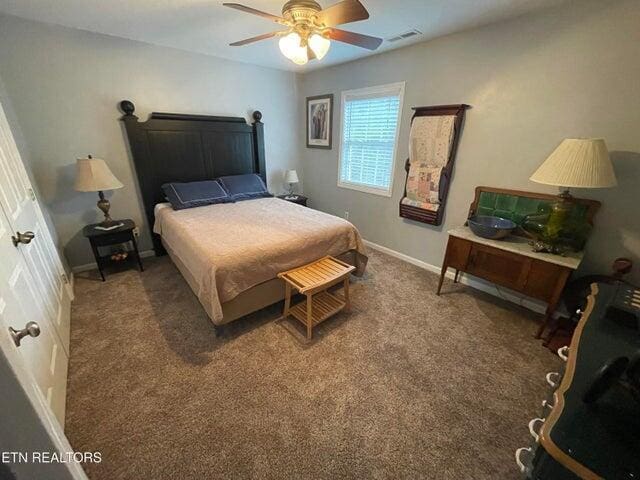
(512, 264)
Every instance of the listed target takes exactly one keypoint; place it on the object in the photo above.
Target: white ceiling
(205, 26)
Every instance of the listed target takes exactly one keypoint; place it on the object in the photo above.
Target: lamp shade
(93, 175)
(292, 48)
(578, 162)
(320, 45)
(291, 176)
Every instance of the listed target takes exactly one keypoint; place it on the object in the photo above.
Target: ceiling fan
(310, 29)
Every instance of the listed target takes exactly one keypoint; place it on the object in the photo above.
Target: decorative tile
(516, 208)
(484, 211)
(506, 202)
(508, 214)
(526, 205)
(487, 199)
(575, 228)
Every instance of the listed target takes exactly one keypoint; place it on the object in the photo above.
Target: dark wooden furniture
(579, 435)
(574, 299)
(121, 235)
(511, 262)
(534, 277)
(298, 199)
(171, 147)
(429, 216)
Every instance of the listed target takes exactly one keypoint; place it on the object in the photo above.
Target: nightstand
(295, 198)
(120, 235)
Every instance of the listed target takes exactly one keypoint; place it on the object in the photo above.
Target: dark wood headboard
(172, 147)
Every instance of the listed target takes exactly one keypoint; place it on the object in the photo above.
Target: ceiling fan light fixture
(301, 57)
(310, 28)
(291, 47)
(319, 44)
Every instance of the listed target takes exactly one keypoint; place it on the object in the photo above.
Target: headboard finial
(127, 107)
(257, 115)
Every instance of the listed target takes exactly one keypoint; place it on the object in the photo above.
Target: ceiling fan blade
(247, 41)
(346, 11)
(253, 11)
(357, 39)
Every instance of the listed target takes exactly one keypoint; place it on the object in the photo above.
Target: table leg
(96, 255)
(309, 316)
(455, 278)
(287, 300)
(347, 300)
(553, 302)
(545, 322)
(442, 274)
(135, 247)
(554, 327)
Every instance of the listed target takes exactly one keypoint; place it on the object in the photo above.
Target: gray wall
(65, 84)
(25, 155)
(533, 81)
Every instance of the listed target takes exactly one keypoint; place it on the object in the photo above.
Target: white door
(27, 423)
(32, 282)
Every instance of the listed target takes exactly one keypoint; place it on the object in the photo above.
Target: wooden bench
(313, 280)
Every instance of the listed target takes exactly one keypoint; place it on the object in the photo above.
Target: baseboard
(93, 266)
(466, 279)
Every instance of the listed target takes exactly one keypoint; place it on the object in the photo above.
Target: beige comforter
(229, 248)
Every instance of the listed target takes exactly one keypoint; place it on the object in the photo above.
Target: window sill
(365, 189)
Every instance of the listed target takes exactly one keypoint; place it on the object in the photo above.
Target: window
(370, 125)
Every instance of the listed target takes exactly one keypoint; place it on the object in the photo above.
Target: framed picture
(319, 121)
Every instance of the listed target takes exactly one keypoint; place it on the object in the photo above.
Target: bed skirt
(256, 298)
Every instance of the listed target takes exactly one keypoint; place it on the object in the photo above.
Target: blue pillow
(243, 187)
(195, 194)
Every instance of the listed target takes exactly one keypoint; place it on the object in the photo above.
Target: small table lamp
(93, 175)
(291, 177)
(579, 163)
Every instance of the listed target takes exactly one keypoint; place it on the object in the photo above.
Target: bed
(229, 254)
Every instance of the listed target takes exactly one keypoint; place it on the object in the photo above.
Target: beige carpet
(410, 385)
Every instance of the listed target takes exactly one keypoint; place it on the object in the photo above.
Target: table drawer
(498, 266)
(111, 239)
(458, 251)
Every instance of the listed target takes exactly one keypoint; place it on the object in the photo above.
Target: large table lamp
(93, 175)
(575, 163)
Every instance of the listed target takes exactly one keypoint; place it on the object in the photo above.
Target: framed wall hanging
(433, 141)
(319, 121)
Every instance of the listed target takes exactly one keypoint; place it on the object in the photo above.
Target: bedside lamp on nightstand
(93, 175)
(291, 177)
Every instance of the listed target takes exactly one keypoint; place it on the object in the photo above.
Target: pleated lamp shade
(578, 162)
(93, 175)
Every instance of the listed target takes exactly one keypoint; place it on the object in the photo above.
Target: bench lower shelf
(324, 305)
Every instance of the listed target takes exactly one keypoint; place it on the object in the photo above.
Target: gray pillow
(195, 194)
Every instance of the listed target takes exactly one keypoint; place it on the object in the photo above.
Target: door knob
(31, 329)
(25, 238)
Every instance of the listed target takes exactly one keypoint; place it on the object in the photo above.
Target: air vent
(404, 36)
